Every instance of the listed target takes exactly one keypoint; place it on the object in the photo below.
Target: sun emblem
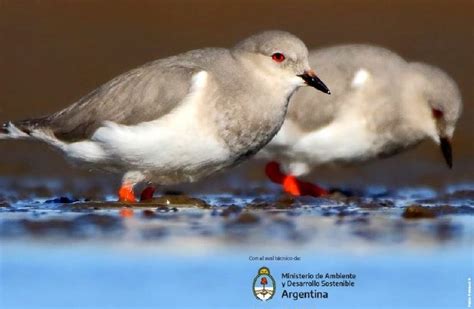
(263, 284)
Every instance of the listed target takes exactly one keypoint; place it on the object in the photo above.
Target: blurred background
(54, 52)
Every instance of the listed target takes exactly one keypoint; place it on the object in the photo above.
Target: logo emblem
(264, 284)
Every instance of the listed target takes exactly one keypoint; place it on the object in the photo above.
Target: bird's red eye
(437, 113)
(278, 57)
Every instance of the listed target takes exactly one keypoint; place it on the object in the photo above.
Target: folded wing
(140, 95)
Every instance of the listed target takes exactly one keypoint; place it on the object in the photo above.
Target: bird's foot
(313, 189)
(126, 194)
(147, 194)
(291, 184)
(296, 187)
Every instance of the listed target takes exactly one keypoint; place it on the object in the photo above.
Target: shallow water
(412, 241)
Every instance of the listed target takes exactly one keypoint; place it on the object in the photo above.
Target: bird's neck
(416, 111)
(255, 121)
(257, 111)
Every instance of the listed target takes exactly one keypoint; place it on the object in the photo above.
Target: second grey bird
(380, 105)
(180, 118)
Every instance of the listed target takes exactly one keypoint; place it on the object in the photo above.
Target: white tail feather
(12, 132)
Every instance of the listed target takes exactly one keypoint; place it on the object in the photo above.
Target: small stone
(247, 218)
(4, 204)
(230, 210)
(180, 200)
(61, 200)
(148, 213)
(418, 212)
(163, 209)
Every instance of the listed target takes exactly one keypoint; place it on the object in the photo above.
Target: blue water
(84, 276)
(83, 255)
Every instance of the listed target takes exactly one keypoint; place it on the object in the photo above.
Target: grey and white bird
(380, 105)
(180, 118)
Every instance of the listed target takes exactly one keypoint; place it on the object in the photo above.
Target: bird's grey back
(337, 66)
(139, 95)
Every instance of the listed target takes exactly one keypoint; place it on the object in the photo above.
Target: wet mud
(264, 217)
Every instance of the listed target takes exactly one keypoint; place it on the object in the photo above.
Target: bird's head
(443, 98)
(281, 56)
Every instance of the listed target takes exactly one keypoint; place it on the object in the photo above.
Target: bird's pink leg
(291, 184)
(147, 193)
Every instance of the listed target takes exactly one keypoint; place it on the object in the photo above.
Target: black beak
(447, 151)
(312, 80)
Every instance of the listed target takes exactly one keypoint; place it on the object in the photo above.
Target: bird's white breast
(345, 139)
(179, 142)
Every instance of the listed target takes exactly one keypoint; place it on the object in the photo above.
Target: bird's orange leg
(291, 184)
(126, 194)
(147, 193)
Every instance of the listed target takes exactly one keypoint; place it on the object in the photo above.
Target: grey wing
(143, 94)
(337, 66)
